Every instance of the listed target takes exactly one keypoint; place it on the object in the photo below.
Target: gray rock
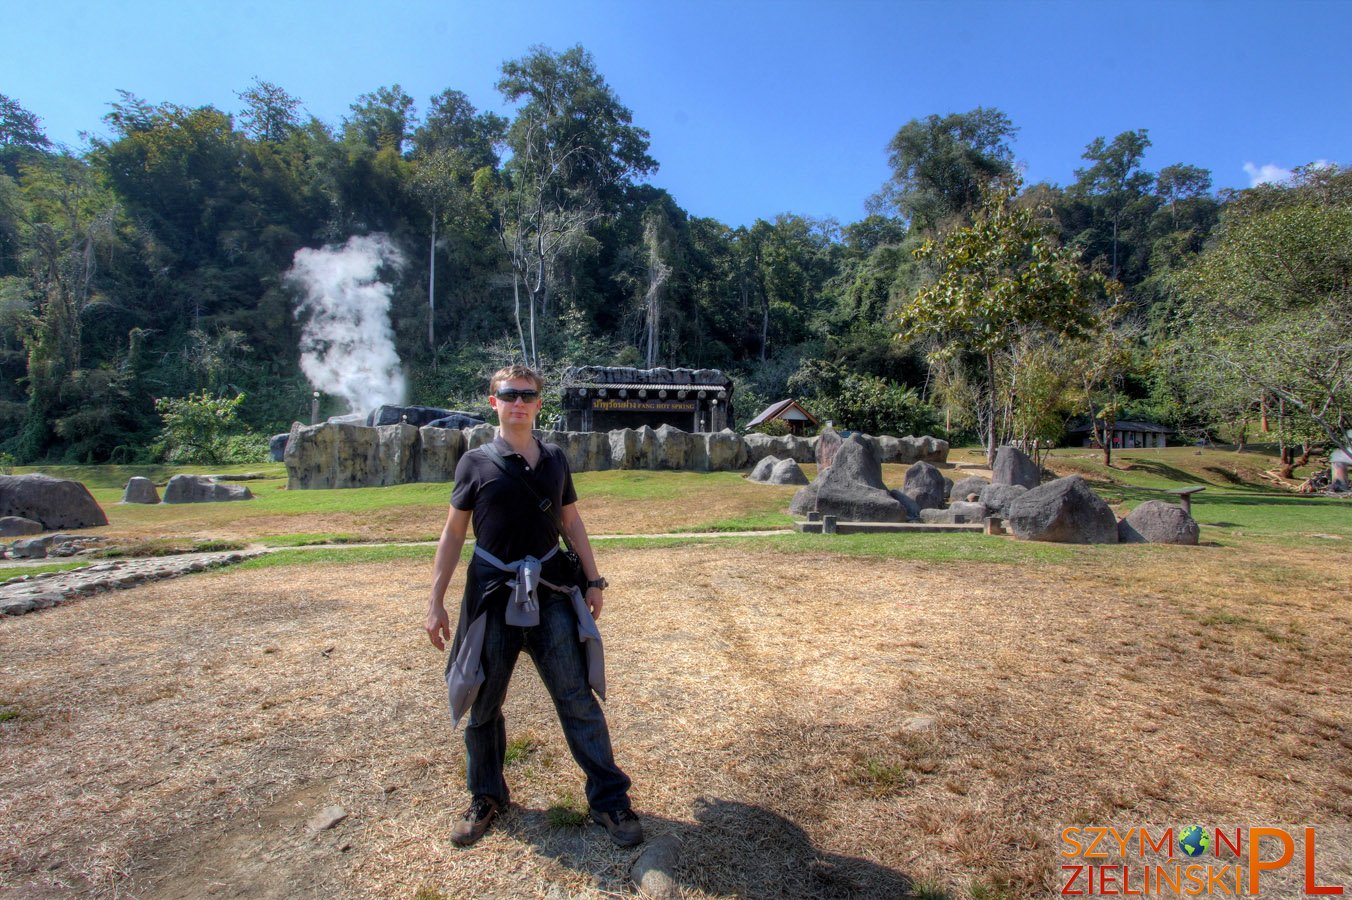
(1012, 466)
(762, 469)
(925, 485)
(852, 489)
(724, 451)
(32, 548)
(654, 872)
(456, 420)
(1064, 511)
(326, 818)
(828, 443)
(972, 484)
(16, 526)
(140, 490)
(55, 502)
(921, 449)
(963, 511)
(788, 446)
(203, 489)
(417, 416)
(671, 448)
(997, 498)
(479, 435)
(1157, 522)
(889, 448)
(948, 487)
(912, 511)
(624, 448)
(276, 453)
(439, 451)
(587, 451)
(786, 471)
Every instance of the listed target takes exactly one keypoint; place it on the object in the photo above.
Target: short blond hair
(515, 372)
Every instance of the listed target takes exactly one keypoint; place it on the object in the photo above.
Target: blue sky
(755, 108)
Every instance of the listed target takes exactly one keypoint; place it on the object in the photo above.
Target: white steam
(347, 344)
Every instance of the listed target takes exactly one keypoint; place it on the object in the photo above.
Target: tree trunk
(990, 424)
(431, 294)
(516, 296)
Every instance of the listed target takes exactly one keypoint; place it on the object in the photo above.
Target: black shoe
(624, 827)
(473, 824)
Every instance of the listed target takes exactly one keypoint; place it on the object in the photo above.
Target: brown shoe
(472, 825)
(624, 827)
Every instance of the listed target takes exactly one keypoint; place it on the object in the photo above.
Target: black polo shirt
(507, 519)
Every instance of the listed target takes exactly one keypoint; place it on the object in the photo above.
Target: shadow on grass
(735, 849)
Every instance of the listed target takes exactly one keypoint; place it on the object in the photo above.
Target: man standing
(518, 595)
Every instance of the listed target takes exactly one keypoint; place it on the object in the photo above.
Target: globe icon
(1194, 841)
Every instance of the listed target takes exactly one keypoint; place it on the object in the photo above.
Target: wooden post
(828, 524)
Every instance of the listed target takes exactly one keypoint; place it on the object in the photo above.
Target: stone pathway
(26, 593)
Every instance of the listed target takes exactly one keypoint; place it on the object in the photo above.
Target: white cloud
(1267, 174)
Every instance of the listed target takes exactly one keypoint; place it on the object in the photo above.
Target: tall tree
(998, 277)
(270, 113)
(1270, 300)
(386, 117)
(1115, 179)
(574, 148)
(941, 165)
(21, 136)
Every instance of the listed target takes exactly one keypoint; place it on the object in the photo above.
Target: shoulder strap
(544, 504)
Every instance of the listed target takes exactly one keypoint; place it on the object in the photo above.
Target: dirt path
(808, 724)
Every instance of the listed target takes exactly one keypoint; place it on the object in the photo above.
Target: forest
(144, 289)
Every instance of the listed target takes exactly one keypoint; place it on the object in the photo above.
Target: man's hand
(595, 602)
(438, 626)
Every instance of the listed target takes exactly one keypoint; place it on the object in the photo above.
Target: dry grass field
(812, 717)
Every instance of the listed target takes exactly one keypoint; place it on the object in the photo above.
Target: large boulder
(203, 489)
(456, 420)
(786, 471)
(624, 448)
(828, 444)
(959, 513)
(921, 449)
(724, 451)
(1065, 511)
(788, 446)
(761, 471)
(439, 451)
(965, 487)
(852, 489)
(417, 416)
(1012, 466)
(587, 451)
(672, 448)
(276, 449)
(997, 498)
(140, 490)
(479, 435)
(55, 502)
(344, 455)
(18, 526)
(925, 485)
(907, 504)
(1157, 522)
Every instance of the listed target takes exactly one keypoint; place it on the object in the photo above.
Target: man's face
(512, 409)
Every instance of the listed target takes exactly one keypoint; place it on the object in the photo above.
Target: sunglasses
(511, 395)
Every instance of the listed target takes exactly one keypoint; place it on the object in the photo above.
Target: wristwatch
(598, 583)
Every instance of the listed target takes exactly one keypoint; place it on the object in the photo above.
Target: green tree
(941, 165)
(999, 277)
(1116, 181)
(574, 148)
(198, 427)
(1269, 301)
(21, 136)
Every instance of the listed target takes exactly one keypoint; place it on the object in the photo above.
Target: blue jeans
(560, 659)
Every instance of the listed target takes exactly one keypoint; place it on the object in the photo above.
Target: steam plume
(347, 345)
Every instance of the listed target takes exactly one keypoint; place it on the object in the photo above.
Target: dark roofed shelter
(605, 398)
(1126, 434)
